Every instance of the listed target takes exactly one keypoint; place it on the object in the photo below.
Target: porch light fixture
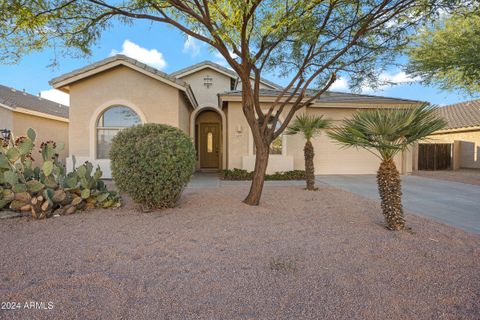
(208, 81)
(6, 134)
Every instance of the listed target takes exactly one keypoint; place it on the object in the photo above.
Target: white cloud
(56, 95)
(340, 84)
(191, 46)
(397, 78)
(221, 59)
(152, 57)
(388, 79)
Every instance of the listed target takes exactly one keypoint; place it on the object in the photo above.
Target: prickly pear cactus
(48, 189)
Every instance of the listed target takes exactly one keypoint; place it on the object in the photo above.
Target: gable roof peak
(120, 58)
(222, 69)
(203, 64)
(66, 79)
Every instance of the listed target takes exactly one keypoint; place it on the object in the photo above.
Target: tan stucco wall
(237, 140)
(204, 95)
(184, 112)
(154, 100)
(473, 136)
(469, 153)
(330, 158)
(46, 129)
(5, 118)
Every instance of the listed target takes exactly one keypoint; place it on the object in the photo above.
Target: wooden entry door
(210, 145)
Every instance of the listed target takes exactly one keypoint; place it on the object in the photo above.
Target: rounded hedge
(152, 163)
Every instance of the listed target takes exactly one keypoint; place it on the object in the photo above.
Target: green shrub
(287, 175)
(152, 163)
(236, 174)
(48, 189)
(241, 174)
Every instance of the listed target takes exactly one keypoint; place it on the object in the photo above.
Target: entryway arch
(209, 132)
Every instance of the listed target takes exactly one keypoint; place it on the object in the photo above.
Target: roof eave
(458, 129)
(63, 82)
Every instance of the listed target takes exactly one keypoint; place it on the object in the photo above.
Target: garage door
(330, 158)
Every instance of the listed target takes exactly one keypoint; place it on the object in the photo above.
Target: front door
(209, 145)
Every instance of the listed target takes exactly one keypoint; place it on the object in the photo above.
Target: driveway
(454, 203)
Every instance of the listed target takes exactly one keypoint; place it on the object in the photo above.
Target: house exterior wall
(6, 118)
(204, 95)
(46, 129)
(468, 143)
(153, 100)
(184, 112)
(330, 158)
(157, 102)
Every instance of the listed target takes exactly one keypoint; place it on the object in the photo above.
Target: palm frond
(388, 131)
(308, 125)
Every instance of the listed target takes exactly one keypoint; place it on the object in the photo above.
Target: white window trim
(96, 115)
(284, 142)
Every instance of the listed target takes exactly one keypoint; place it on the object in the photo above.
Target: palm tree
(309, 126)
(386, 132)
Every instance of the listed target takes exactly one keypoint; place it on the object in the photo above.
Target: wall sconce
(5, 134)
(5, 137)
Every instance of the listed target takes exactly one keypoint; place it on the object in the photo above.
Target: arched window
(109, 123)
(276, 147)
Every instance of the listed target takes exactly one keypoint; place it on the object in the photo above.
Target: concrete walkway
(453, 203)
(204, 180)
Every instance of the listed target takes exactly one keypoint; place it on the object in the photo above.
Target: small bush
(241, 174)
(152, 163)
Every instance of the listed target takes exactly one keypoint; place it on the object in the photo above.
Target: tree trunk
(309, 169)
(389, 187)
(256, 188)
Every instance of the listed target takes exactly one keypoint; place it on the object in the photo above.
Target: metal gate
(434, 156)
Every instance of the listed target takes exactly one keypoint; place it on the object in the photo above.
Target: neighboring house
(20, 111)
(205, 102)
(463, 131)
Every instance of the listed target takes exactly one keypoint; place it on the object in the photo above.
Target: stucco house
(20, 110)
(205, 102)
(462, 132)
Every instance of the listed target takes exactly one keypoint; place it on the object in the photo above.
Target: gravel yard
(300, 255)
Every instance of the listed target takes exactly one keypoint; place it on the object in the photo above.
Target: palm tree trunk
(309, 169)
(389, 187)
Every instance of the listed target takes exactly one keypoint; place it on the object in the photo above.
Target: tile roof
(462, 115)
(131, 61)
(334, 97)
(118, 57)
(18, 99)
(232, 73)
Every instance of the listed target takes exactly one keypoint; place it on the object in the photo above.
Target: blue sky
(167, 49)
